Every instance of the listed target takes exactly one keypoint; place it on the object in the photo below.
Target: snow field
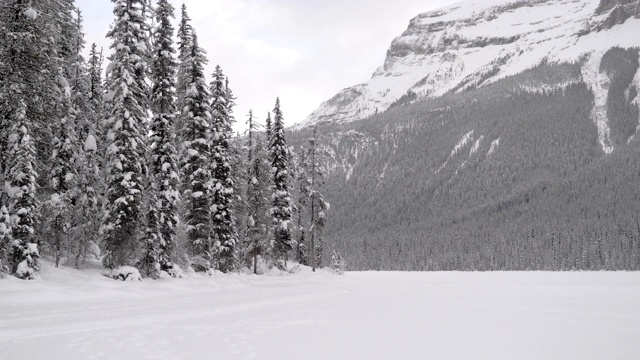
(70, 314)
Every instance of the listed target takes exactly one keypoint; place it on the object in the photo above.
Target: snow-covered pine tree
(195, 161)
(337, 263)
(303, 182)
(267, 128)
(87, 93)
(222, 212)
(87, 105)
(185, 45)
(281, 199)
(96, 91)
(63, 177)
(96, 96)
(5, 238)
(231, 100)
(257, 202)
(163, 194)
(24, 81)
(127, 91)
(66, 61)
(21, 187)
(319, 206)
(246, 242)
(90, 189)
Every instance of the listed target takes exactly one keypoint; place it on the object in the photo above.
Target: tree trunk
(255, 262)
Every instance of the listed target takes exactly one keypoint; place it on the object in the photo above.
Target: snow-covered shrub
(124, 273)
(24, 256)
(199, 263)
(337, 263)
(173, 271)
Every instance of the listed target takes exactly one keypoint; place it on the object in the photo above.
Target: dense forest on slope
(509, 176)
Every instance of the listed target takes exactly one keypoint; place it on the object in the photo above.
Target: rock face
(478, 42)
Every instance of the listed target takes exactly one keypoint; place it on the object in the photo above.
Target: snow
(360, 315)
(462, 143)
(494, 145)
(476, 146)
(24, 270)
(31, 13)
(90, 143)
(598, 82)
(124, 273)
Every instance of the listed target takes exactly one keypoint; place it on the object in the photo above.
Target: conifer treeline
(142, 167)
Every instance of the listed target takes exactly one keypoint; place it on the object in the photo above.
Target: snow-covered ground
(67, 314)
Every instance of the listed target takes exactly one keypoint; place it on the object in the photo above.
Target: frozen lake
(67, 314)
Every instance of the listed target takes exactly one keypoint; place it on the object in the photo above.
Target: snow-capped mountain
(478, 42)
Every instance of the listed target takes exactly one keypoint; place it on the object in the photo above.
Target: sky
(303, 51)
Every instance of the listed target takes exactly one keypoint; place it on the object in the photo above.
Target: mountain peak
(477, 42)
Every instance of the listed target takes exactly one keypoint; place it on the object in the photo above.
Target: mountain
(479, 42)
(514, 146)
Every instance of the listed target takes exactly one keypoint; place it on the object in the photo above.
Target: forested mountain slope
(535, 170)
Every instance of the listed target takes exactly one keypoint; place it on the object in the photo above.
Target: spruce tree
(256, 197)
(63, 177)
(87, 92)
(25, 81)
(95, 77)
(66, 63)
(281, 199)
(21, 187)
(223, 219)
(90, 189)
(185, 45)
(163, 194)
(127, 91)
(195, 161)
(318, 207)
(303, 181)
(267, 128)
(5, 238)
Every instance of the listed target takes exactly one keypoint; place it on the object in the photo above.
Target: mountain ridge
(475, 43)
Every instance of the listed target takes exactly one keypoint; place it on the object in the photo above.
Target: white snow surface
(442, 49)
(70, 314)
(90, 143)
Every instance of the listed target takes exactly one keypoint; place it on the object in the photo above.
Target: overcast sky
(303, 51)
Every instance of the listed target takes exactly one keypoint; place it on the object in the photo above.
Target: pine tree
(5, 238)
(337, 263)
(303, 182)
(87, 92)
(318, 207)
(281, 200)
(195, 160)
(267, 129)
(222, 212)
(90, 189)
(164, 196)
(21, 187)
(63, 177)
(95, 75)
(66, 102)
(25, 80)
(127, 93)
(185, 45)
(256, 195)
